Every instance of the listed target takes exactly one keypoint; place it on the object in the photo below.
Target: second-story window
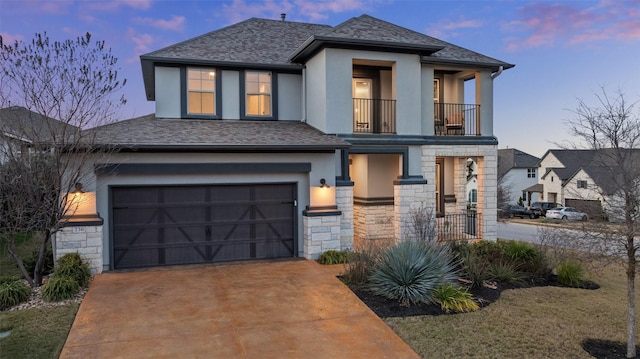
(531, 173)
(201, 90)
(582, 184)
(258, 88)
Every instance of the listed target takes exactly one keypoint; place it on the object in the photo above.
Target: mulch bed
(605, 349)
(484, 296)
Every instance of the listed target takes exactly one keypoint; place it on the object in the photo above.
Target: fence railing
(459, 226)
(374, 116)
(454, 119)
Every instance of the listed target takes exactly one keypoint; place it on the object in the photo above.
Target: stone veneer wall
(487, 156)
(85, 240)
(321, 233)
(407, 197)
(373, 222)
(344, 201)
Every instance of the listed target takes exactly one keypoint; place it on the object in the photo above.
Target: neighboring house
(585, 179)
(282, 139)
(472, 183)
(518, 173)
(21, 128)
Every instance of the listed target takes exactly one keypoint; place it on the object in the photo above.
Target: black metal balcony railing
(374, 116)
(454, 119)
(459, 226)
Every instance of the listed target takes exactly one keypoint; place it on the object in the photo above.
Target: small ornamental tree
(50, 92)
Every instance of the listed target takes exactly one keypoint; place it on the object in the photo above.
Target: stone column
(344, 202)
(82, 235)
(487, 194)
(407, 196)
(321, 230)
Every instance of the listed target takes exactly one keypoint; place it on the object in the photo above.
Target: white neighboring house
(584, 179)
(277, 139)
(518, 172)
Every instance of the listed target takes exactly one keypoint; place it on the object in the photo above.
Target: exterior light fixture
(323, 183)
(78, 190)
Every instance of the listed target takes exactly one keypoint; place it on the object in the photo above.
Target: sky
(564, 51)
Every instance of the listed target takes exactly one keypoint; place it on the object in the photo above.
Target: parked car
(511, 211)
(566, 213)
(544, 206)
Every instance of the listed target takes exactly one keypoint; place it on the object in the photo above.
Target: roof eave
(493, 66)
(149, 63)
(315, 43)
(223, 148)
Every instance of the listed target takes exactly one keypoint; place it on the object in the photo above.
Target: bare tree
(612, 130)
(504, 192)
(52, 92)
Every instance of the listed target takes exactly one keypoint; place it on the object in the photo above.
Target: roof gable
(511, 158)
(25, 125)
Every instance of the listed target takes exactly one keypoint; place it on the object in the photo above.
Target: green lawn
(542, 322)
(36, 333)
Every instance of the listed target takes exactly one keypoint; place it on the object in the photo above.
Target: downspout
(497, 73)
(304, 94)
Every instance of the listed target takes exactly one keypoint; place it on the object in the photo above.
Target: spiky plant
(571, 273)
(410, 270)
(454, 299)
(13, 292)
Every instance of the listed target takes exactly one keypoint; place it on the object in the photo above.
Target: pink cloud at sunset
(176, 23)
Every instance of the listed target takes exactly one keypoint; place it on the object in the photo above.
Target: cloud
(117, 4)
(549, 24)
(447, 28)
(306, 10)
(176, 23)
(49, 7)
(8, 38)
(142, 44)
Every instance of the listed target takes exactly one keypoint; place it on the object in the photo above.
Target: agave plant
(411, 270)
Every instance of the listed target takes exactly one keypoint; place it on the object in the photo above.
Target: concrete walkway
(282, 309)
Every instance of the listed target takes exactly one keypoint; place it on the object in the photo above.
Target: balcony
(374, 116)
(453, 119)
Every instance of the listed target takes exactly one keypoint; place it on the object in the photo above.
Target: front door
(362, 104)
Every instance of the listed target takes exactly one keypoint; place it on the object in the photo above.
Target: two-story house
(283, 139)
(518, 173)
(585, 179)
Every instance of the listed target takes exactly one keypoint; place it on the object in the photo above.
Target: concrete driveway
(281, 309)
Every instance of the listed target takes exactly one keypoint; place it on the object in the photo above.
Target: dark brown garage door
(154, 226)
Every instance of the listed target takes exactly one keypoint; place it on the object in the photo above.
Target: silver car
(566, 213)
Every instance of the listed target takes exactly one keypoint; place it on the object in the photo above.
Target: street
(518, 231)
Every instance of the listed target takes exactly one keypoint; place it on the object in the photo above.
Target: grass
(36, 333)
(541, 322)
(24, 246)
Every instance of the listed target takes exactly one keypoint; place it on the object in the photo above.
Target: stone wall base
(84, 240)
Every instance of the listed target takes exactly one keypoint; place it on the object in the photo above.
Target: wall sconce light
(323, 183)
(78, 190)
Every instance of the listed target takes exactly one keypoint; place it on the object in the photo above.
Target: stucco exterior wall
(167, 92)
(289, 97)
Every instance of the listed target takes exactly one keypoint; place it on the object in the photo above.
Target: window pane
(195, 102)
(252, 105)
(252, 87)
(208, 85)
(266, 105)
(208, 103)
(265, 88)
(252, 77)
(264, 77)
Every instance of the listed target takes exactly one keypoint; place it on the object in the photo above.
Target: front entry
(168, 225)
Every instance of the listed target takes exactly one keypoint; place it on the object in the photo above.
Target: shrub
(362, 261)
(60, 288)
(8, 279)
(334, 257)
(13, 292)
(410, 270)
(454, 299)
(30, 262)
(571, 273)
(475, 269)
(72, 265)
(506, 272)
(521, 251)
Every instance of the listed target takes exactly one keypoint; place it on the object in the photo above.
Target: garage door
(167, 225)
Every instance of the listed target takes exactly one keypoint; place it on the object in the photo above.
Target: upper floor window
(258, 91)
(531, 173)
(582, 184)
(201, 90)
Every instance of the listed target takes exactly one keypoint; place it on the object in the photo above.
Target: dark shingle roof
(509, 158)
(149, 132)
(28, 126)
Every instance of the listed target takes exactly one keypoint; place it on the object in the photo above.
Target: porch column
(321, 230)
(344, 201)
(487, 194)
(460, 183)
(81, 234)
(407, 196)
(484, 97)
